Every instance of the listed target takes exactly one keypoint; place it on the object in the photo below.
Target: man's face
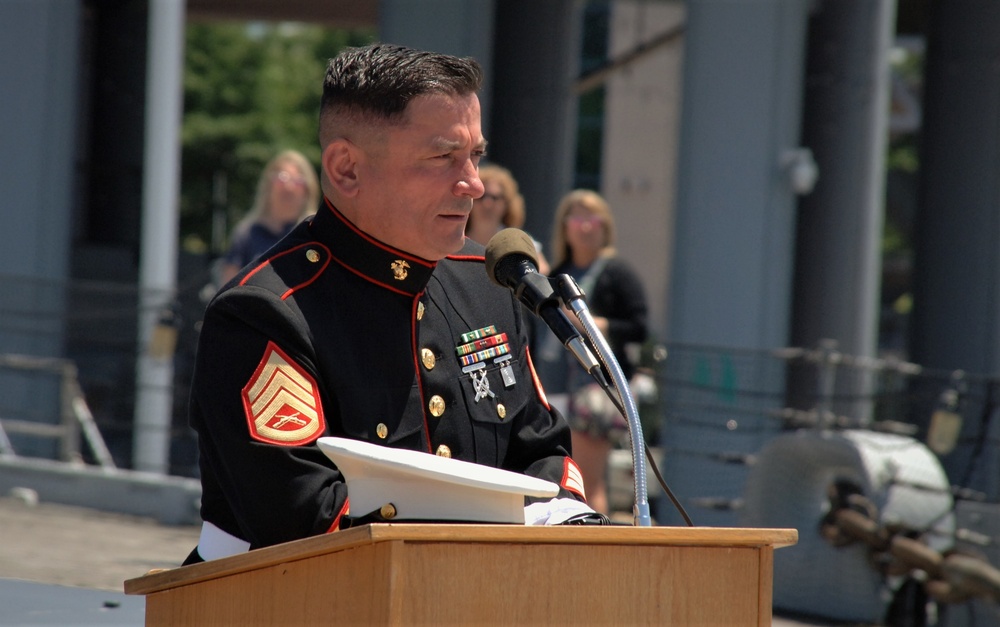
(416, 188)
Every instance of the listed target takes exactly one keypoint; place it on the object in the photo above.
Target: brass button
(388, 511)
(501, 411)
(312, 255)
(382, 431)
(427, 356)
(443, 451)
(436, 406)
(420, 311)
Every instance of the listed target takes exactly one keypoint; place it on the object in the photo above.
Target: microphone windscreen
(504, 244)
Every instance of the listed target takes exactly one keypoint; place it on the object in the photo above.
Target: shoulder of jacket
(289, 269)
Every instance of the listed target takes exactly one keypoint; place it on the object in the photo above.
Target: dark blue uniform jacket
(335, 333)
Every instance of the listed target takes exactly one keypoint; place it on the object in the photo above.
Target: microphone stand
(571, 295)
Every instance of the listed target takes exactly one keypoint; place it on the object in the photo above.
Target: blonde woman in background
(287, 192)
(583, 246)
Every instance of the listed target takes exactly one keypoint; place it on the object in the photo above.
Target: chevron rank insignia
(281, 401)
(572, 478)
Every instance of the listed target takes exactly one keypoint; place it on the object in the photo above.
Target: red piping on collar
(371, 280)
(466, 257)
(375, 242)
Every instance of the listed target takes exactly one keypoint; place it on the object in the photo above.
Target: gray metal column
(160, 223)
(838, 260)
(735, 211)
(956, 316)
(39, 42)
(734, 240)
(536, 62)
(956, 312)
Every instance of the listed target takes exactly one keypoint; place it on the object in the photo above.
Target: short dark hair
(377, 82)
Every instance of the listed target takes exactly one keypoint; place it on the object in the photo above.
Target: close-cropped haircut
(375, 83)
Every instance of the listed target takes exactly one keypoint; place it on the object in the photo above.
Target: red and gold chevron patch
(281, 401)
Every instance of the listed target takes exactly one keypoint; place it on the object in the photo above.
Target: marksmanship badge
(480, 384)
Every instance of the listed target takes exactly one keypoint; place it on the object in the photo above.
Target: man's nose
(470, 184)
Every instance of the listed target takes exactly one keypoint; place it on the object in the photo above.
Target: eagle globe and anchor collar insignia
(281, 401)
(400, 269)
(476, 348)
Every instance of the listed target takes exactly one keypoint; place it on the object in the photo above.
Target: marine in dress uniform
(335, 333)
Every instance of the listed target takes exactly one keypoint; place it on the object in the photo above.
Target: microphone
(511, 263)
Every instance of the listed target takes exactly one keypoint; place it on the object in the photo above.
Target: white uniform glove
(554, 512)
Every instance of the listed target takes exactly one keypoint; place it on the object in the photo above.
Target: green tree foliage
(250, 91)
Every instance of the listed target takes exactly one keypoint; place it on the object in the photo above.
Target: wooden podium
(444, 574)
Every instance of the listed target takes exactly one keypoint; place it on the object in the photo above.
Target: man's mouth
(460, 215)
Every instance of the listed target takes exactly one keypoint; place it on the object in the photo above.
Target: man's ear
(340, 165)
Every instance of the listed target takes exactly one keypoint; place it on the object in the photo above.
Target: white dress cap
(421, 486)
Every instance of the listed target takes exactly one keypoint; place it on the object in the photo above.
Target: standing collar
(366, 256)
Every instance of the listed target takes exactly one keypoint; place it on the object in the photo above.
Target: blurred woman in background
(287, 192)
(583, 246)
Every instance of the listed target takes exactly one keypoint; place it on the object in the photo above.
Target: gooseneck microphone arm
(510, 262)
(570, 292)
(573, 297)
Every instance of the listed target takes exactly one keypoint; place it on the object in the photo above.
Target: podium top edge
(584, 534)
(460, 533)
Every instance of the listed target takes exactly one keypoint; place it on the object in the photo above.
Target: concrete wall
(641, 127)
